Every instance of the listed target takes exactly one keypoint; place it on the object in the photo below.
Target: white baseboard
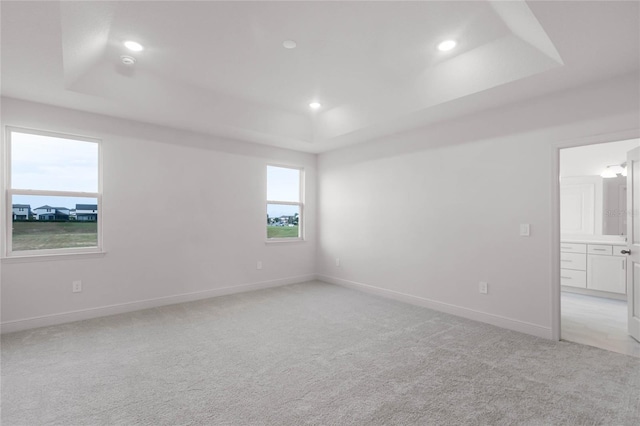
(497, 320)
(102, 311)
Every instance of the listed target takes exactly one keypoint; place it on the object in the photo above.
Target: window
(284, 203)
(56, 180)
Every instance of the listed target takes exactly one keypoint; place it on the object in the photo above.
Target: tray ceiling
(220, 67)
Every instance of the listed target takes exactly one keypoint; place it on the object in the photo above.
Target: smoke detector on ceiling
(128, 60)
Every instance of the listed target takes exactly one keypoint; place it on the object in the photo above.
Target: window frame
(300, 204)
(9, 192)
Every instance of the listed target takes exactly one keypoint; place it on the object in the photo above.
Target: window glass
(284, 204)
(54, 164)
(283, 184)
(51, 222)
(283, 221)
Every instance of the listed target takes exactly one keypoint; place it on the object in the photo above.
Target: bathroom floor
(597, 321)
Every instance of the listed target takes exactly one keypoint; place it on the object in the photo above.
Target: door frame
(555, 312)
(633, 256)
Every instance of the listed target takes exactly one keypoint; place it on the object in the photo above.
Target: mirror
(615, 206)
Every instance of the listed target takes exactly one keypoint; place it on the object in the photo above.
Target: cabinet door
(577, 208)
(607, 273)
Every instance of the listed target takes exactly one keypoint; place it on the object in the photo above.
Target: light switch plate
(525, 230)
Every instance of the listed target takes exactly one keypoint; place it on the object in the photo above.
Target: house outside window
(21, 211)
(56, 173)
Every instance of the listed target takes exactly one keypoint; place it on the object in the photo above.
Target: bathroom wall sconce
(614, 170)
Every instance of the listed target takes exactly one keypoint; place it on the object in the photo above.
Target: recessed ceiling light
(447, 45)
(315, 105)
(128, 60)
(133, 46)
(289, 44)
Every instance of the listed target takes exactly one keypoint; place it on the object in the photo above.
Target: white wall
(425, 215)
(159, 171)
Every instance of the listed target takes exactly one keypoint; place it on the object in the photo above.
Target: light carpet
(310, 353)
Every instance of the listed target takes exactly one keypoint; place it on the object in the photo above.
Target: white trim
(90, 253)
(554, 304)
(100, 192)
(302, 218)
(286, 166)
(4, 180)
(472, 314)
(72, 251)
(6, 186)
(97, 312)
(48, 193)
(52, 134)
(555, 313)
(284, 240)
(284, 203)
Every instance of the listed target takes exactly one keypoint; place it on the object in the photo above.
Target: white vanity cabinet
(593, 267)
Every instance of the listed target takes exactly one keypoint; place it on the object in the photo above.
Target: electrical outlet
(337, 261)
(259, 264)
(76, 286)
(483, 288)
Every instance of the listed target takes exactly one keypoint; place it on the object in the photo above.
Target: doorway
(593, 228)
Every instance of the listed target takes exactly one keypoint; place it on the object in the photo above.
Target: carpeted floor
(309, 353)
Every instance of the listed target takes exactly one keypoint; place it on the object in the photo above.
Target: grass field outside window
(282, 231)
(35, 235)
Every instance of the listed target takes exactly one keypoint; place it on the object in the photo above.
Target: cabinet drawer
(573, 261)
(573, 278)
(573, 248)
(599, 249)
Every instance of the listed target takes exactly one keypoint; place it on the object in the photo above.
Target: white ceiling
(220, 68)
(591, 160)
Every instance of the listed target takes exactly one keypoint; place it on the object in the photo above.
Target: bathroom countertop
(577, 241)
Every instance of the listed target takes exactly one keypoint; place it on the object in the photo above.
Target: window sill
(53, 257)
(284, 240)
